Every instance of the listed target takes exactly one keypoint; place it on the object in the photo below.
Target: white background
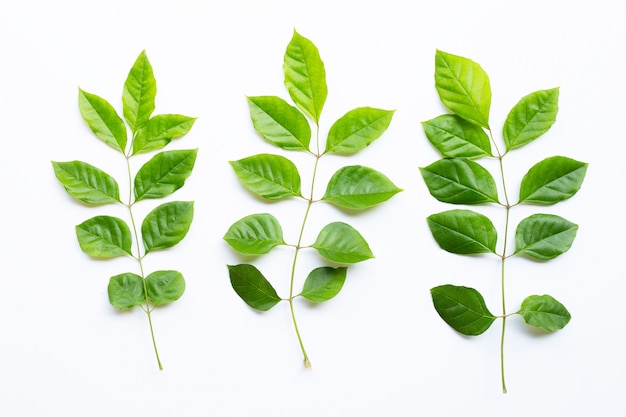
(379, 347)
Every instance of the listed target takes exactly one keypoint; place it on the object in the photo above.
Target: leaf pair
(160, 287)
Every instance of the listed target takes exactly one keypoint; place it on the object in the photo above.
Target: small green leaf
(460, 181)
(544, 236)
(165, 287)
(355, 130)
(530, 118)
(273, 177)
(139, 93)
(104, 237)
(455, 137)
(165, 173)
(250, 284)
(323, 283)
(552, 180)
(340, 242)
(166, 225)
(280, 123)
(103, 120)
(126, 291)
(256, 234)
(358, 187)
(545, 312)
(160, 130)
(463, 232)
(87, 183)
(305, 76)
(463, 308)
(463, 87)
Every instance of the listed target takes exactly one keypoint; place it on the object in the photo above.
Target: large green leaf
(271, 176)
(87, 183)
(460, 181)
(166, 225)
(463, 87)
(356, 129)
(161, 130)
(126, 291)
(340, 242)
(103, 120)
(552, 180)
(255, 234)
(545, 312)
(139, 93)
(530, 118)
(250, 284)
(165, 173)
(358, 187)
(463, 308)
(323, 283)
(463, 232)
(104, 237)
(455, 137)
(544, 236)
(165, 287)
(305, 76)
(279, 122)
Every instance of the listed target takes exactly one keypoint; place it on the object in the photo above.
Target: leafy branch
(465, 136)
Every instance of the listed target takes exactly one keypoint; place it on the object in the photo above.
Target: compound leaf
(126, 291)
(166, 225)
(356, 129)
(165, 286)
(544, 236)
(87, 183)
(139, 93)
(323, 283)
(250, 284)
(463, 308)
(255, 234)
(340, 242)
(454, 137)
(104, 237)
(103, 120)
(280, 123)
(358, 187)
(273, 177)
(164, 173)
(552, 180)
(545, 312)
(160, 130)
(463, 232)
(530, 118)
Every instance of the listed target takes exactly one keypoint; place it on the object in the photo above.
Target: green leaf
(305, 76)
(165, 286)
(104, 237)
(160, 130)
(166, 225)
(463, 232)
(552, 180)
(126, 291)
(165, 173)
(87, 183)
(455, 137)
(280, 123)
(340, 242)
(139, 93)
(256, 234)
(356, 129)
(463, 308)
(358, 187)
(102, 119)
(530, 118)
(463, 87)
(460, 181)
(545, 312)
(544, 236)
(250, 284)
(273, 177)
(323, 283)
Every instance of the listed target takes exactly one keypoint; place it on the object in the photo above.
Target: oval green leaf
(340, 242)
(250, 284)
(455, 137)
(323, 283)
(460, 181)
(256, 234)
(166, 225)
(545, 312)
(161, 130)
(103, 120)
(280, 123)
(463, 308)
(358, 187)
(139, 93)
(104, 237)
(356, 129)
(530, 118)
(552, 180)
(87, 183)
(126, 291)
(463, 232)
(544, 236)
(165, 287)
(273, 177)
(165, 173)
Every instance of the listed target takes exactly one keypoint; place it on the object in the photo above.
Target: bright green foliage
(167, 224)
(274, 177)
(462, 138)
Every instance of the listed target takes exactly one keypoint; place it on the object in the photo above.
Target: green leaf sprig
(166, 225)
(274, 177)
(465, 136)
